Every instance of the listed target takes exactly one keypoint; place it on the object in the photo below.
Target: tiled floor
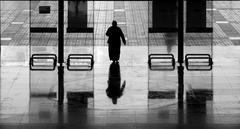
(150, 98)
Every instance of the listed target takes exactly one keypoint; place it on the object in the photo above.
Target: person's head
(114, 23)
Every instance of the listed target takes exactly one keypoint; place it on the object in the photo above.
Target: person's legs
(114, 53)
(110, 53)
(117, 53)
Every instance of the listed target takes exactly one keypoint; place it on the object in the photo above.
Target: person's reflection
(170, 41)
(115, 89)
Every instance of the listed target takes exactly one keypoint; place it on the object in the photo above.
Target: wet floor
(148, 98)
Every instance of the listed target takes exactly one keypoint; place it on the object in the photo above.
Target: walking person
(114, 42)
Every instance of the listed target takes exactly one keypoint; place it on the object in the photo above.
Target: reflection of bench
(79, 98)
(171, 94)
(199, 95)
(37, 94)
(198, 62)
(43, 62)
(161, 61)
(80, 62)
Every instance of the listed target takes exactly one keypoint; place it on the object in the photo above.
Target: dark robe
(114, 42)
(115, 90)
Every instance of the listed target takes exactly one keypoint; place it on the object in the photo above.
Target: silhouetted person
(115, 89)
(114, 42)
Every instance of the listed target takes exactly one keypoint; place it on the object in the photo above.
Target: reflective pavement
(145, 99)
(211, 98)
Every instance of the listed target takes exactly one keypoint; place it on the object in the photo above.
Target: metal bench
(198, 62)
(80, 62)
(161, 62)
(43, 62)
